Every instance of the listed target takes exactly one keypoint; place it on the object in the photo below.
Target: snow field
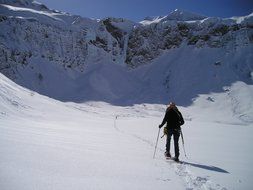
(47, 144)
(214, 151)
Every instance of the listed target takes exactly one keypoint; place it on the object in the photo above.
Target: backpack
(180, 117)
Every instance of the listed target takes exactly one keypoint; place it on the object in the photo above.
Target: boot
(176, 159)
(167, 154)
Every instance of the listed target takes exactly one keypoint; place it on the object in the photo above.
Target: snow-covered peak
(152, 19)
(35, 11)
(181, 15)
(25, 3)
(176, 15)
(21, 2)
(243, 19)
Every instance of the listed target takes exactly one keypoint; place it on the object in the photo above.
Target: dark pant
(176, 135)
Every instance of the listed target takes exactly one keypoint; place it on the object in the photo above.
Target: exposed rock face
(71, 41)
(149, 41)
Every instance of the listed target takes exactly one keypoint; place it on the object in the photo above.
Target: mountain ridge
(177, 15)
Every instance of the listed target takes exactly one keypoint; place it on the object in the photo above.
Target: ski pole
(183, 142)
(156, 142)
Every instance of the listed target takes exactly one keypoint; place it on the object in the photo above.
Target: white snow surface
(45, 16)
(185, 16)
(48, 144)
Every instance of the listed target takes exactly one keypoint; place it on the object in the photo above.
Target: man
(174, 120)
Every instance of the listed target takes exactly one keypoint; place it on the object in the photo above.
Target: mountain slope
(70, 58)
(70, 41)
(47, 144)
(162, 34)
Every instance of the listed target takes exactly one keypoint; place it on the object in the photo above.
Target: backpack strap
(181, 119)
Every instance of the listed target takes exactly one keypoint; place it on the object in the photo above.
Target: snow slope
(30, 31)
(47, 144)
(183, 75)
(70, 58)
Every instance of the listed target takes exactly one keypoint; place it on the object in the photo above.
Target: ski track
(191, 181)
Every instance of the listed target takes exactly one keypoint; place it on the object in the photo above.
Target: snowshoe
(167, 155)
(176, 159)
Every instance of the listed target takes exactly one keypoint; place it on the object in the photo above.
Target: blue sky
(136, 10)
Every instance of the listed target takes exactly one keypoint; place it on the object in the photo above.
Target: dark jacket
(173, 117)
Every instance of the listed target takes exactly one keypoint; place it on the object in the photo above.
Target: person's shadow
(211, 168)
